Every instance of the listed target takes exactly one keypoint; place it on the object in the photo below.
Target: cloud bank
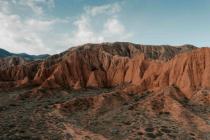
(111, 29)
(36, 32)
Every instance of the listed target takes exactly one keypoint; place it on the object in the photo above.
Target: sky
(52, 26)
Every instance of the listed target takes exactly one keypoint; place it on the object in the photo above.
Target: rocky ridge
(110, 65)
(108, 91)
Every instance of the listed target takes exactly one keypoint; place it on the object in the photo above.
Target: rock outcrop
(15, 71)
(108, 65)
(104, 65)
(113, 64)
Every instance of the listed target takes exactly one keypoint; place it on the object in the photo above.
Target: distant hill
(5, 53)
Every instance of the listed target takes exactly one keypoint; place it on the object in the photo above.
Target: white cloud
(43, 25)
(101, 9)
(37, 34)
(18, 36)
(111, 28)
(33, 5)
(39, 24)
(84, 33)
(4, 6)
(36, 5)
(33, 35)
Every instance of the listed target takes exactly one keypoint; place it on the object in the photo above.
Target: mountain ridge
(96, 60)
(4, 53)
(108, 91)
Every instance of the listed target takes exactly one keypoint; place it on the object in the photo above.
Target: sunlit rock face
(112, 64)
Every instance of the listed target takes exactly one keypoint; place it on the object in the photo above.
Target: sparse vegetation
(38, 118)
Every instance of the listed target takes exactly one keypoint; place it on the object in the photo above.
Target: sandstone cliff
(113, 64)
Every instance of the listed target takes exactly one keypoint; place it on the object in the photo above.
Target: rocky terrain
(108, 91)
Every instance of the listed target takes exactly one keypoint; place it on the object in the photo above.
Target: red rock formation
(108, 65)
(103, 65)
(155, 87)
(11, 62)
(15, 71)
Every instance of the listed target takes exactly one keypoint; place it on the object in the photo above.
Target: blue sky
(52, 26)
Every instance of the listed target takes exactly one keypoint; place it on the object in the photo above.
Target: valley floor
(96, 114)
